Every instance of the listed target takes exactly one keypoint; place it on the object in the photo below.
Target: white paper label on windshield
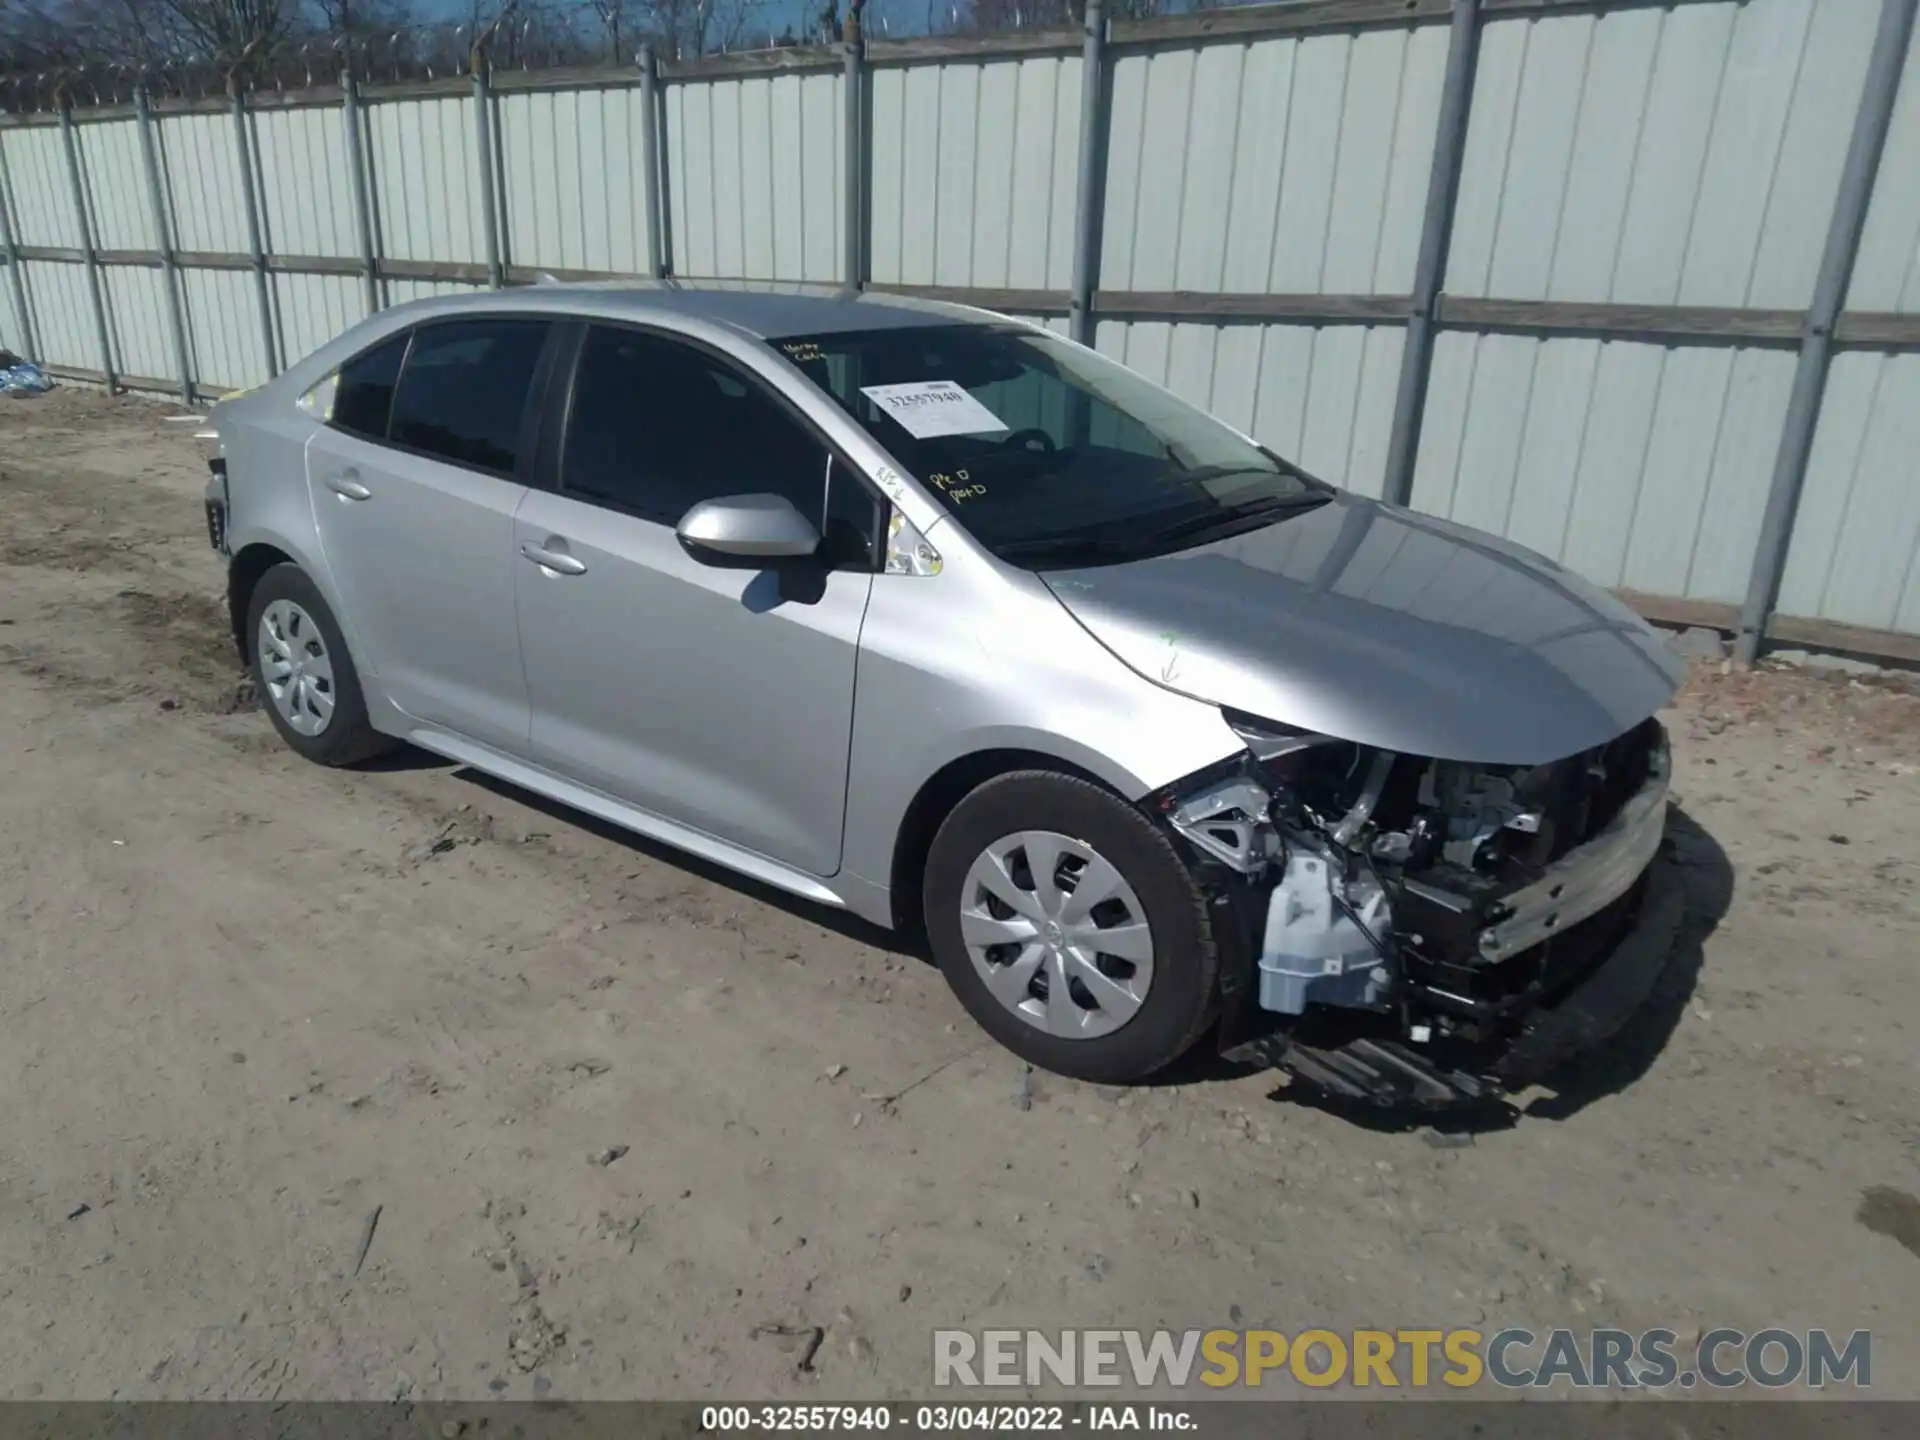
(930, 408)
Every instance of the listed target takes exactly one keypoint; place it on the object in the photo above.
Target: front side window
(657, 426)
(463, 393)
(1047, 452)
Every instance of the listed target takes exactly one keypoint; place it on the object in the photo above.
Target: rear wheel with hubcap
(306, 679)
(1070, 927)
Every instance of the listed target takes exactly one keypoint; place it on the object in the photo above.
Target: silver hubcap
(1058, 936)
(296, 668)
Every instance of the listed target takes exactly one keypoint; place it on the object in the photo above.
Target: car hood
(1377, 625)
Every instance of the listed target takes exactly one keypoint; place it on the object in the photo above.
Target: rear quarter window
(363, 397)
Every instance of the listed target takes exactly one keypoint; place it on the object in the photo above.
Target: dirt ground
(397, 1084)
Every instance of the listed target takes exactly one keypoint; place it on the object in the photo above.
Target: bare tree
(988, 16)
(197, 43)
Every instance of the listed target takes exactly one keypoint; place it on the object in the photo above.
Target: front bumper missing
(1374, 1069)
(1605, 917)
(1588, 879)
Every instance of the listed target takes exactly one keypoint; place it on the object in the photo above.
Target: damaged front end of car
(1406, 931)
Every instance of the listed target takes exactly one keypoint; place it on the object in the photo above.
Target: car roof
(767, 310)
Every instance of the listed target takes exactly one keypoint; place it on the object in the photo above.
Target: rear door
(415, 479)
(719, 698)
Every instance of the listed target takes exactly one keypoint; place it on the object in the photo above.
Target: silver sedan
(940, 618)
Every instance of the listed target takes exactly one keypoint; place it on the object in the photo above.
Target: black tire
(348, 737)
(1181, 998)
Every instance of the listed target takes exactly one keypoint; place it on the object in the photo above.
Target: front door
(718, 698)
(414, 485)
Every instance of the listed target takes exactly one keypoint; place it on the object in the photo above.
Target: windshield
(1047, 452)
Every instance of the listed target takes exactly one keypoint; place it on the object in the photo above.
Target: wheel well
(946, 788)
(242, 575)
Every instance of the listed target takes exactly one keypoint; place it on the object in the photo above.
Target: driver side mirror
(747, 530)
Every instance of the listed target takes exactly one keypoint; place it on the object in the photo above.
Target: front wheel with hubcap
(305, 677)
(1070, 927)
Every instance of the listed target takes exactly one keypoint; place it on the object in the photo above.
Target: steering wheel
(1025, 440)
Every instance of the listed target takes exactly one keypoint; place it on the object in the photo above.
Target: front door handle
(347, 486)
(558, 561)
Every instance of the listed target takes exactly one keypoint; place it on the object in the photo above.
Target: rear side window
(463, 394)
(363, 397)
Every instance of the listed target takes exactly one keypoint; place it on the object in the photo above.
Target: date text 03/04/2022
(943, 1419)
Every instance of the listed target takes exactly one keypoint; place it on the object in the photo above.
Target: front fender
(945, 674)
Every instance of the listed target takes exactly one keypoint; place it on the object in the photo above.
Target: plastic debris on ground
(23, 378)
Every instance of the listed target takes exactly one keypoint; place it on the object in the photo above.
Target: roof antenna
(546, 277)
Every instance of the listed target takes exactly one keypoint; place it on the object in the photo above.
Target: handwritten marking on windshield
(957, 487)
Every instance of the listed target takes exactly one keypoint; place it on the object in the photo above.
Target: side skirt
(617, 812)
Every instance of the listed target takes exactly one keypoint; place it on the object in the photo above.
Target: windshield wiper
(1239, 517)
(1066, 547)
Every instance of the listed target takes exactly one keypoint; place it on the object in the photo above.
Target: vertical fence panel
(136, 302)
(13, 329)
(425, 181)
(223, 328)
(62, 313)
(1284, 166)
(256, 236)
(974, 169)
(203, 182)
(42, 198)
(19, 334)
(1638, 465)
(201, 169)
(575, 182)
(1867, 133)
(1686, 156)
(83, 211)
(154, 188)
(306, 185)
(116, 186)
(1858, 529)
(1886, 276)
(756, 169)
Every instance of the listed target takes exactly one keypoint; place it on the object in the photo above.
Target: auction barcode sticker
(929, 408)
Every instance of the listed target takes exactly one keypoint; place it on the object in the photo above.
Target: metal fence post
(1430, 265)
(163, 238)
(11, 243)
(357, 177)
(1090, 189)
(652, 160)
(853, 262)
(483, 142)
(250, 205)
(71, 141)
(1870, 123)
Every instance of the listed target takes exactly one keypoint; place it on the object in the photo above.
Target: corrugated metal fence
(1636, 285)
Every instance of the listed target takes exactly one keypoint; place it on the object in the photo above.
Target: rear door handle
(558, 561)
(347, 486)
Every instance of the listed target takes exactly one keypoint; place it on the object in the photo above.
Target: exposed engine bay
(1415, 915)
